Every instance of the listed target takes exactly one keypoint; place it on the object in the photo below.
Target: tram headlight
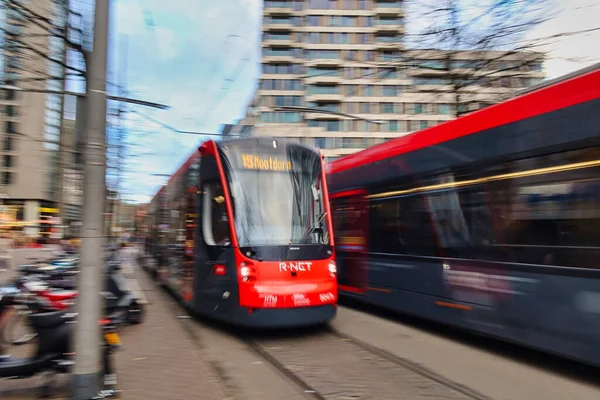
(245, 271)
(332, 269)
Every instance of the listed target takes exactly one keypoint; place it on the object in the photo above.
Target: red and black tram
(242, 233)
(490, 222)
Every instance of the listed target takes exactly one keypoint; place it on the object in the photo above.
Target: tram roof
(572, 89)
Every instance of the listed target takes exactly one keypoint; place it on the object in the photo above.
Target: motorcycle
(120, 304)
(53, 353)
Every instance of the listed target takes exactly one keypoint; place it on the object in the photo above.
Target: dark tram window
(215, 224)
(554, 217)
(540, 210)
(401, 226)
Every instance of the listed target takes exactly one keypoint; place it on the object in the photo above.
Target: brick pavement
(158, 361)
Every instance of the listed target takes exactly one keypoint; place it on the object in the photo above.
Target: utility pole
(121, 132)
(62, 145)
(88, 374)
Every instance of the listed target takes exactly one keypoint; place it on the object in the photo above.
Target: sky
(185, 54)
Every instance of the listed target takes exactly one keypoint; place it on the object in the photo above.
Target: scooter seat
(47, 320)
(60, 296)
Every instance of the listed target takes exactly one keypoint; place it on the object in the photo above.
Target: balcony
(388, 8)
(278, 41)
(278, 58)
(389, 28)
(324, 62)
(311, 80)
(278, 26)
(278, 7)
(324, 97)
(387, 42)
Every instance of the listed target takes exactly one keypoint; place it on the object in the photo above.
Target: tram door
(351, 230)
(215, 264)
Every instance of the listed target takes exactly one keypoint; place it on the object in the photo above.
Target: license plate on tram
(112, 338)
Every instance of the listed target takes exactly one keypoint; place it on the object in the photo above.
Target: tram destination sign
(265, 162)
(284, 158)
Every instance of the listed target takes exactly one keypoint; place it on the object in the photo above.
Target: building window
(333, 126)
(320, 142)
(313, 20)
(8, 143)
(7, 178)
(389, 55)
(349, 21)
(8, 161)
(294, 101)
(280, 117)
(445, 109)
(387, 108)
(389, 91)
(323, 54)
(322, 89)
(11, 111)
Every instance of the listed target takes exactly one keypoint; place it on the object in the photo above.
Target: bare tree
(29, 32)
(466, 52)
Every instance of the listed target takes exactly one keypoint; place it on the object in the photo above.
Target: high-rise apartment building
(347, 59)
(29, 120)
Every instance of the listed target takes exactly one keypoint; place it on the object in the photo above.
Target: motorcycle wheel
(10, 332)
(135, 313)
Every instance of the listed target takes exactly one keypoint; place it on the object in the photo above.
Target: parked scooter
(121, 304)
(53, 353)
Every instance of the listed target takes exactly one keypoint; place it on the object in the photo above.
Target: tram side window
(215, 223)
(339, 218)
(402, 226)
(551, 218)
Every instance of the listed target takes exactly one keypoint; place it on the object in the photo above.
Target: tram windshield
(277, 193)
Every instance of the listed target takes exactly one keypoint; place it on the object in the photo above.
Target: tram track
(307, 390)
(264, 349)
(305, 361)
(331, 365)
(412, 366)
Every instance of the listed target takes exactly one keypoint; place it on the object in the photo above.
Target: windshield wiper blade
(314, 228)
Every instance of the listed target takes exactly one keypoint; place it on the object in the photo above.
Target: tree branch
(27, 46)
(53, 30)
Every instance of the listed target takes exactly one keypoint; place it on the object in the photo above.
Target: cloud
(128, 17)
(166, 43)
(572, 51)
(181, 53)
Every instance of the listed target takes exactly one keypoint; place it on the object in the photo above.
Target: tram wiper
(316, 228)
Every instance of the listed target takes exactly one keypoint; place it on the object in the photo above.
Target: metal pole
(121, 133)
(60, 200)
(87, 371)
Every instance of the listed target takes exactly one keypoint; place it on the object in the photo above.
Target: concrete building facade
(347, 59)
(30, 122)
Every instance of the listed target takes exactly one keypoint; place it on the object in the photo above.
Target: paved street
(159, 359)
(172, 357)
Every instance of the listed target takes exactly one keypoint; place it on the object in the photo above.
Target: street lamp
(108, 97)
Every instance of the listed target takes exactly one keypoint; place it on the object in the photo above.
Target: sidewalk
(159, 360)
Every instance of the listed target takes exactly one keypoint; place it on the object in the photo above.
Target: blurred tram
(242, 233)
(490, 222)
